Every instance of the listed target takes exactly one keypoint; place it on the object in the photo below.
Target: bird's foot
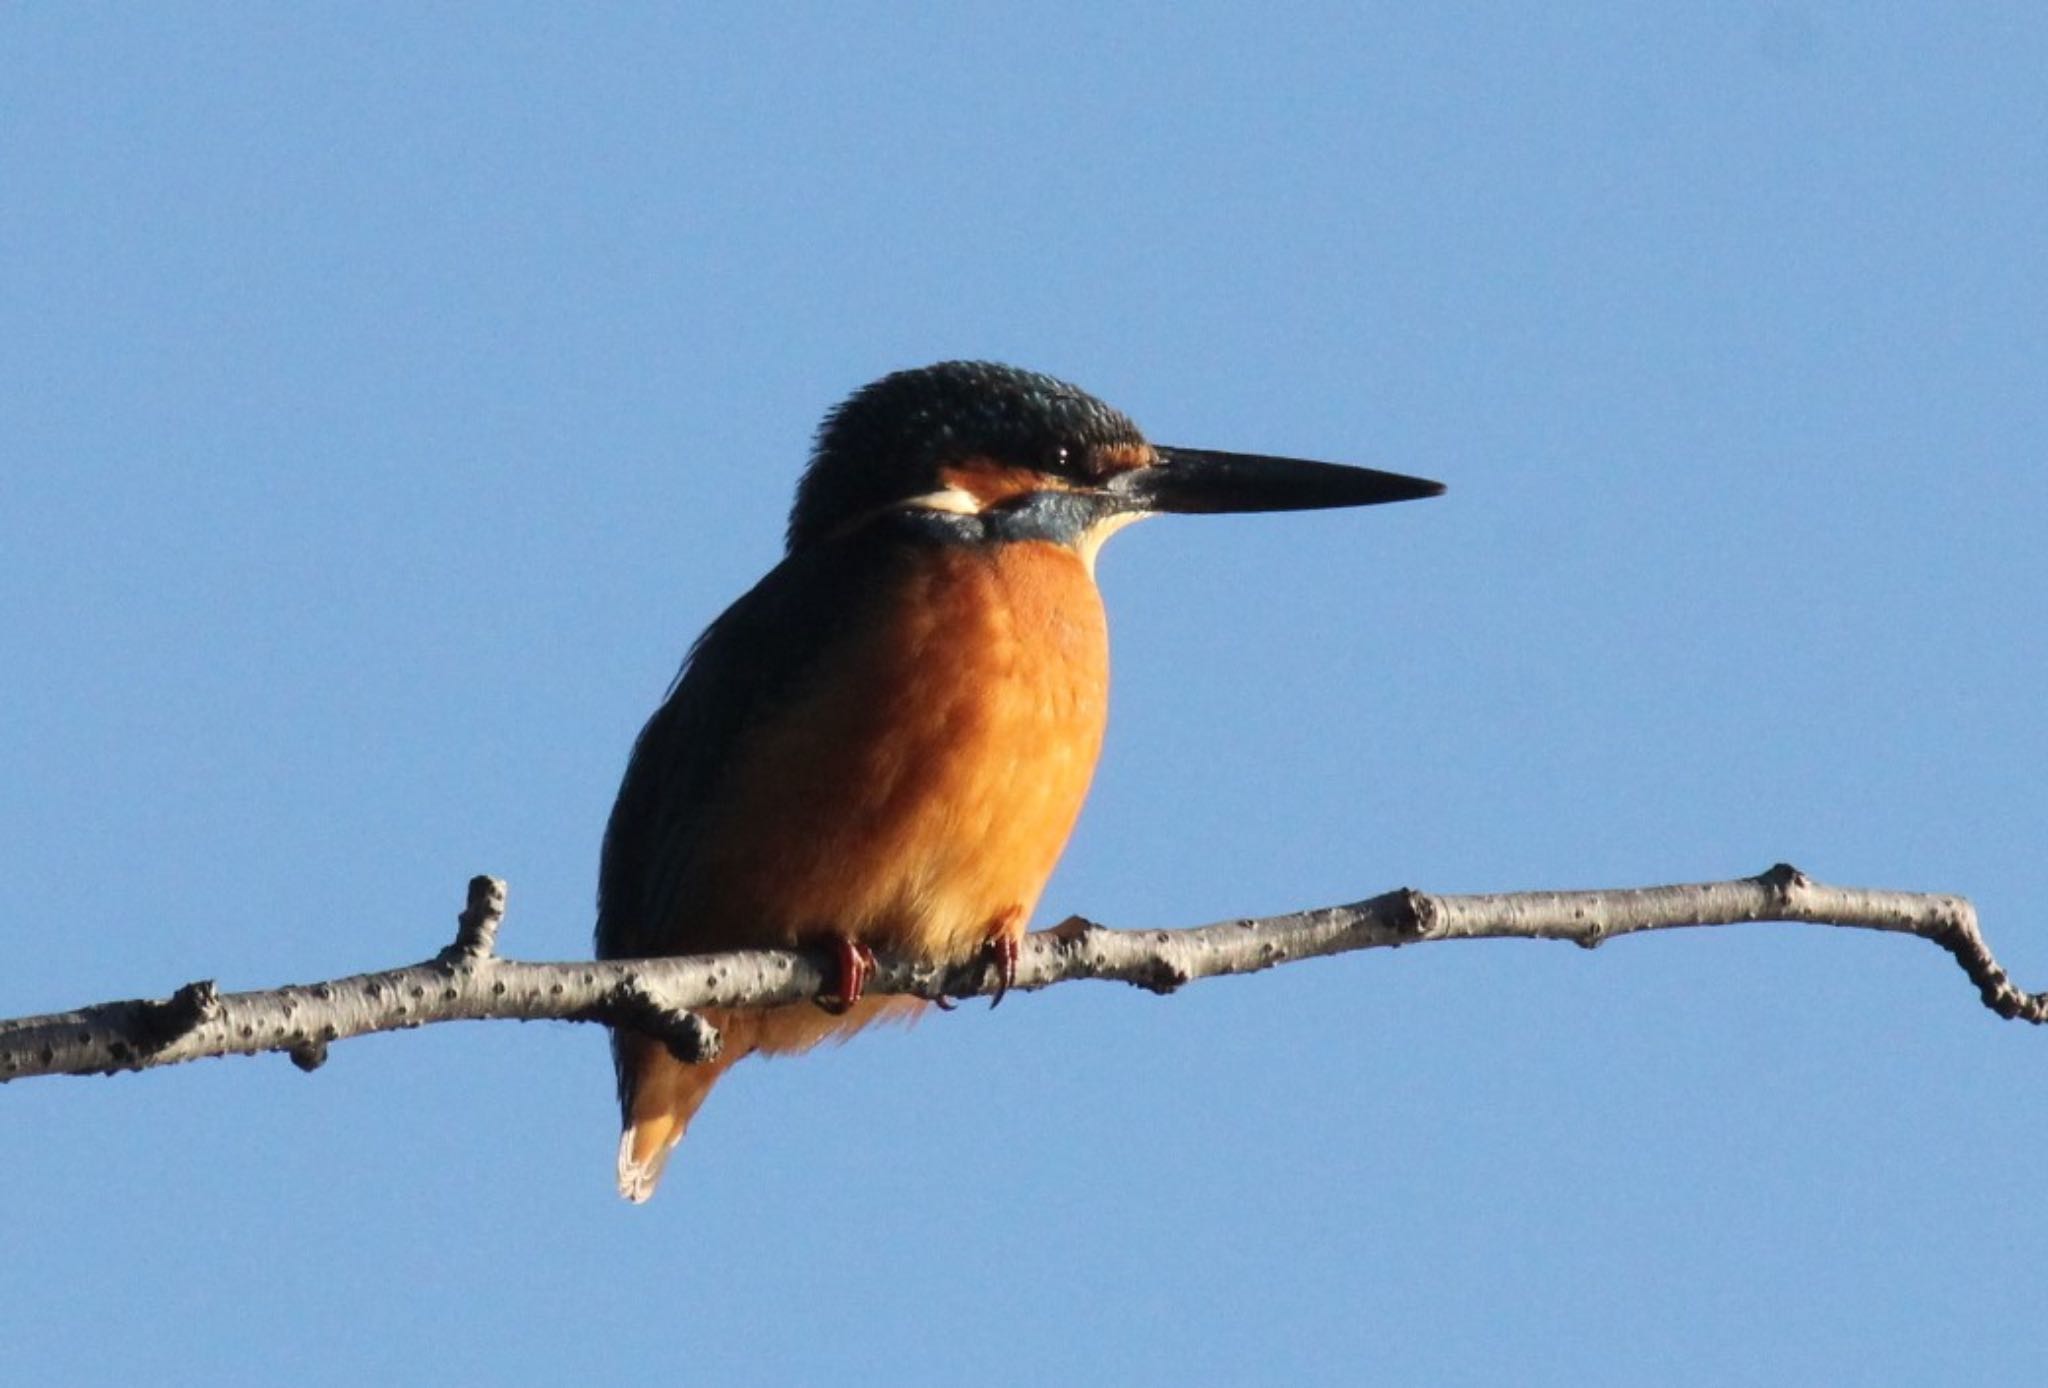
(1002, 951)
(856, 966)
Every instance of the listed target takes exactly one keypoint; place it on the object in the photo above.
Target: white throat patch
(1092, 538)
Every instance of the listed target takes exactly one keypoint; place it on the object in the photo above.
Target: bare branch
(468, 981)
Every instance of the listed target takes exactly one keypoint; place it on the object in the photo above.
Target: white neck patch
(956, 501)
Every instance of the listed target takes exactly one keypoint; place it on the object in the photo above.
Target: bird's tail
(658, 1096)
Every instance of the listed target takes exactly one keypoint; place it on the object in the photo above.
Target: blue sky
(390, 394)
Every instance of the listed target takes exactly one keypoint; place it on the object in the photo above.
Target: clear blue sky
(389, 393)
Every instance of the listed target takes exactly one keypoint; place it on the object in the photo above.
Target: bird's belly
(919, 795)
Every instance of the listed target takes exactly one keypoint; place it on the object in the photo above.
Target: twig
(469, 982)
(476, 929)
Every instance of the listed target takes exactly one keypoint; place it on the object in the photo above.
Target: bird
(885, 743)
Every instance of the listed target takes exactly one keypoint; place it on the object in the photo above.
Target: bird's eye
(1062, 459)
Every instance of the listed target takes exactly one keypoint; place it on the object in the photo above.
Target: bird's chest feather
(926, 780)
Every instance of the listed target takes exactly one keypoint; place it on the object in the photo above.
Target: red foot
(1003, 950)
(856, 966)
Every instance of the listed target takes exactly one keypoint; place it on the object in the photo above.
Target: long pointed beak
(1199, 480)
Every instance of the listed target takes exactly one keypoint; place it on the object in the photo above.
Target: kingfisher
(884, 744)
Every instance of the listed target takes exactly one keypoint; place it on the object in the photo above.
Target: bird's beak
(1198, 480)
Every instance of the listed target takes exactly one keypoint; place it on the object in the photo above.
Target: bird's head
(1035, 455)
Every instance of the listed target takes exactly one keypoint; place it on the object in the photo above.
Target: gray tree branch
(468, 981)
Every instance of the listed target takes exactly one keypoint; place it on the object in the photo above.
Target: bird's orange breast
(916, 796)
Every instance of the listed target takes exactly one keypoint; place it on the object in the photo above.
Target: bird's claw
(1000, 953)
(1003, 951)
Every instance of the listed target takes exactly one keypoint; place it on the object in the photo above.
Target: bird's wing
(751, 661)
